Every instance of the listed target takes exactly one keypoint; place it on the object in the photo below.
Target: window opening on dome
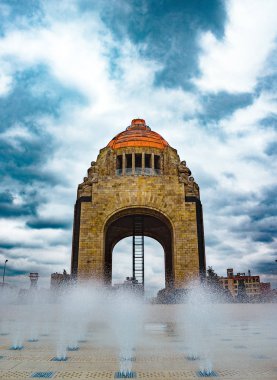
(157, 164)
(128, 170)
(147, 165)
(138, 163)
(119, 165)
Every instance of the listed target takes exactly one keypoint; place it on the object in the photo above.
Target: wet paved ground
(243, 345)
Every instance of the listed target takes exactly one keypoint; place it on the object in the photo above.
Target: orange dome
(138, 134)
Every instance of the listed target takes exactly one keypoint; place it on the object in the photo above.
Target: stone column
(133, 163)
(152, 163)
(142, 163)
(123, 164)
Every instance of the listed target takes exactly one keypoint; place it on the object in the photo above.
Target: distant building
(130, 283)
(241, 285)
(273, 295)
(60, 280)
(267, 295)
(33, 280)
(265, 288)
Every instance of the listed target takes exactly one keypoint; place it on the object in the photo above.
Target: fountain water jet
(200, 319)
(127, 325)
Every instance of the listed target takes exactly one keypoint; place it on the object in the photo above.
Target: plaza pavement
(243, 347)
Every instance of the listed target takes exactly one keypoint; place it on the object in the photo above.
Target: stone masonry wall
(164, 193)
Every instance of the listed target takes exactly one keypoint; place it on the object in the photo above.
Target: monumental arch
(138, 187)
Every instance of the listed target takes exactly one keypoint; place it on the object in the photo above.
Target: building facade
(138, 187)
(251, 284)
(60, 280)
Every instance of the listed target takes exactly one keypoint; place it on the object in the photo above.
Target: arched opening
(156, 226)
(154, 264)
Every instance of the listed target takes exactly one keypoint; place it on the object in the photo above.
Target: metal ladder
(138, 249)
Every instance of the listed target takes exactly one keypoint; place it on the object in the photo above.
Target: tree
(216, 288)
(212, 277)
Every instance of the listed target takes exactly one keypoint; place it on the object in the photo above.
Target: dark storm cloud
(261, 225)
(167, 30)
(49, 223)
(14, 271)
(268, 83)
(27, 8)
(10, 271)
(267, 267)
(229, 204)
(13, 245)
(270, 121)
(10, 209)
(271, 149)
(229, 251)
(6, 198)
(34, 93)
(22, 156)
(267, 207)
(222, 104)
(25, 145)
(211, 240)
(23, 161)
(14, 10)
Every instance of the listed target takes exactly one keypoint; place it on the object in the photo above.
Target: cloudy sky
(74, 73)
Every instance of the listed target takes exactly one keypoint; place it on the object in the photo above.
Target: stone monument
(138, 187)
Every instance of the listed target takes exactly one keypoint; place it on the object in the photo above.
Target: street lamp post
(4, 271)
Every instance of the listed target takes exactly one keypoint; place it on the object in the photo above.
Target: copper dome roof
(138, 134)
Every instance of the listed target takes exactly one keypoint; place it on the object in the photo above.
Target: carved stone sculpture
(184, 172)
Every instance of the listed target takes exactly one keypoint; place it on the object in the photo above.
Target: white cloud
(247, 119)
(5, 84)
(235, 63)
(235, 145)
(15, 232)
(6, 79)
(14, 136)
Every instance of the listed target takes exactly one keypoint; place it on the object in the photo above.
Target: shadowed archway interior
(154, 265)
(156, 226)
